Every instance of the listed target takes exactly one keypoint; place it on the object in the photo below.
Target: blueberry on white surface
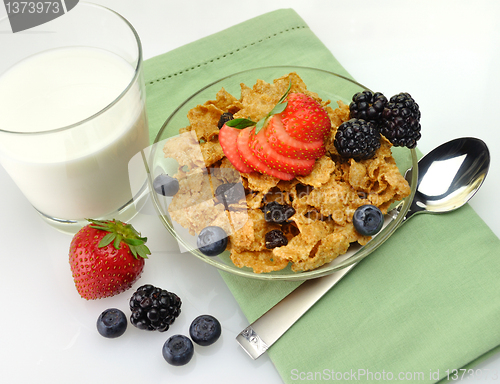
(166, 185)
(112, 323)
(368, 220)
(178, 350)
(205, 330)
(212, 241)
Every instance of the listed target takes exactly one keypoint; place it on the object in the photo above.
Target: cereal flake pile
(324, 201)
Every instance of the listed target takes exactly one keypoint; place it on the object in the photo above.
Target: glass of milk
(72, 114)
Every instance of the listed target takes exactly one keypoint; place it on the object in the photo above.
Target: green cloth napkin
(425, 303)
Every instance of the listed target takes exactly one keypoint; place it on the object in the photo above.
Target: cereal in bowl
(266, 168)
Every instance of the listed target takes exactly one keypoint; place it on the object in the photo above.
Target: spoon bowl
(449, 176)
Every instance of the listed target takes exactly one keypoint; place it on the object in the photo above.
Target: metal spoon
(448, 177)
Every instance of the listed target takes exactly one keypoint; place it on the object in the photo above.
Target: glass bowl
(329, 86)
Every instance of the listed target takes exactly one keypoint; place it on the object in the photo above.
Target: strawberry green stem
(119, 232)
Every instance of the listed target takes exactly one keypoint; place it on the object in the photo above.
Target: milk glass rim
(137, 72)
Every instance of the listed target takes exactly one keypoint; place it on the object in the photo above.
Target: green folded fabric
(425, 303)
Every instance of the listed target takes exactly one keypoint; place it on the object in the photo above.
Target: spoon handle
(265, 331)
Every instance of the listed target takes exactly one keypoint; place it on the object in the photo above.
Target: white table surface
(446, 54)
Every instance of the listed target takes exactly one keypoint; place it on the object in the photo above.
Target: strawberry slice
(227, 140)
(305, 119)
(286, 145)
(264, 151)
(243, 143)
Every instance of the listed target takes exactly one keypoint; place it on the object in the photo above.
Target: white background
(446, 54)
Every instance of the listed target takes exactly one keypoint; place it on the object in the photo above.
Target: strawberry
(227, 140)
(305, 119)
(106, 258)
(243, 143)
(264, 151)
(286, 145)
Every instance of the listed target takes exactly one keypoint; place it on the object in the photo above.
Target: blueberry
(166, 185)
(225, 117)
(230, 193)
(205, 330)
(212, 241)
(178, 350)
(275, 238)
(112, 323)
(275, 212)
(368, 220)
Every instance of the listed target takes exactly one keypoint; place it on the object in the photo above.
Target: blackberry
(225, 117)
(275, 238)
(275, 212)
(357, 138)
(154, 309)
(367, 106)
(400, 122)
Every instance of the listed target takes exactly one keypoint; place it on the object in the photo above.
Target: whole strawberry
(106, 258)
(305, 119)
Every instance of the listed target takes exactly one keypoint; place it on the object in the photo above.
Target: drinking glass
(72, 114)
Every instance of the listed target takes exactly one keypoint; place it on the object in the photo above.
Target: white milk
(80, 171)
